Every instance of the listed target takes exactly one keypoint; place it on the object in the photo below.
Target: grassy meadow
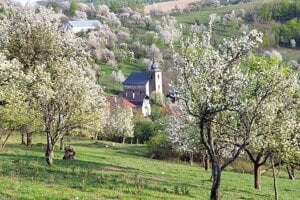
(203, 14)
(104, 170)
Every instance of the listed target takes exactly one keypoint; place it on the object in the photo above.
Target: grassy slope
(113, 87)
(117, 172)
(203, 14)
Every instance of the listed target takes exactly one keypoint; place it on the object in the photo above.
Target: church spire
(154, 65)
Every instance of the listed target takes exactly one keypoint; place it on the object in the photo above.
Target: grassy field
(203, 14)
(105, 170)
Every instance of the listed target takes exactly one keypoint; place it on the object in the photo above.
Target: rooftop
(84, 23)
(121, 101)
(137, 78)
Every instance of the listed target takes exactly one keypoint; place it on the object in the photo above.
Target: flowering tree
(122, 122)
(169, 30)
(117, 76)
(184, 136)
(108, 17)
(284, 135)
(56, 69)
(270, 86)
(210, 87)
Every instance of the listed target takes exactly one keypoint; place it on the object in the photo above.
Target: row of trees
(45, 75)
(238, 103)
(280, 11)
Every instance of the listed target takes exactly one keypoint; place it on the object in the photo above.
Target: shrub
(73, 7)
(158, 98)
(160, 147)
(143, 130)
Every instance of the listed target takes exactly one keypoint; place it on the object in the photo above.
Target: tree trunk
(291, 171)
(206, 161)
(137, 140)
(29, 138)
(23, 135)
(257, 176)
(62, 143)
(49, 155)
(49, 151)
(124, 139)
(216, 175)
(191, 154)
(275, 179)
(5, 141)
(131, 140)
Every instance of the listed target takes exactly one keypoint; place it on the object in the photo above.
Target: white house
(82, 25)
(146, 107)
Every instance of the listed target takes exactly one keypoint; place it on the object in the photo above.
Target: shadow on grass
(4, 196)
(245, 192)
(71, 173)
(132, 150)
(81, 175)
(39, 147)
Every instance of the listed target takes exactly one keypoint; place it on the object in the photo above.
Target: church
(139, 85)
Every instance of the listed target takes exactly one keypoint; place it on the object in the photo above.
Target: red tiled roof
(127, 104)
(172, 109)
(121, 101)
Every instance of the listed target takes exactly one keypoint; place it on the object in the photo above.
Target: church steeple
(155, 78)
(154, 65)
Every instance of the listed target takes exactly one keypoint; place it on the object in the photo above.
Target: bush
(73, 7)
(157, 98)
(160, 147)
(143, 130)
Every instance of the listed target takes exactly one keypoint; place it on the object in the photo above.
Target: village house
(82, 25)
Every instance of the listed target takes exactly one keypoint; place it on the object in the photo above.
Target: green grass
(203, 14)
(106, 171)
(290, 54)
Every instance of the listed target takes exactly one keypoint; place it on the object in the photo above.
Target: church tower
(155, 78)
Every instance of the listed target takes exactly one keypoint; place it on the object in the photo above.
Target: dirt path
(167, 6)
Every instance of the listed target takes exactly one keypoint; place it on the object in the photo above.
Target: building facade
(82, 25)
(139, 85)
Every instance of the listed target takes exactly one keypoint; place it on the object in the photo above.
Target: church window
(133, 95)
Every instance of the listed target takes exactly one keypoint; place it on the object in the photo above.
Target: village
(149, 99)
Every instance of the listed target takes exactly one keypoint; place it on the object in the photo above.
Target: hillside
(230, 105)
(233, 29)
(167, 6)
(104, 170)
